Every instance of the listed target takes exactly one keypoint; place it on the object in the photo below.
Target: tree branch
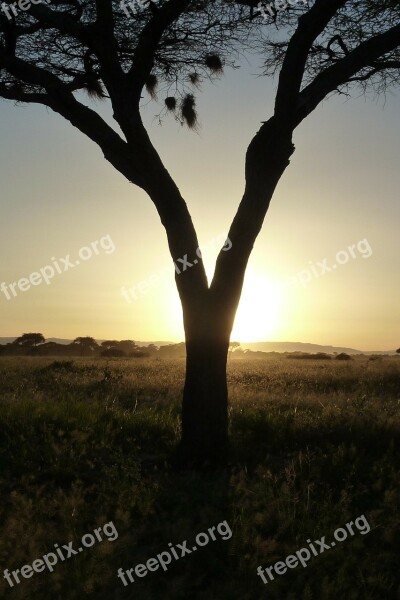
(310, 26)
(149, 40)
(62, 101)
(341, 72)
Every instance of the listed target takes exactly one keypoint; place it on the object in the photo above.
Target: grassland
(315, 444)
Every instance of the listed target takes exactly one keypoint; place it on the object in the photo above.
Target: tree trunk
(205, 401)
(209, 312)
(204, 440)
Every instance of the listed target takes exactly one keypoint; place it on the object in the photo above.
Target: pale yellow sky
(58, 194)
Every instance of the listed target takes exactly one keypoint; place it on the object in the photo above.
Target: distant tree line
(34, 344)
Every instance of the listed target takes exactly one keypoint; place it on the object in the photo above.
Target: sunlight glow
(260, 309)
(258, 317)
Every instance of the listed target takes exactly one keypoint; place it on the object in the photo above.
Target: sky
(325, 268)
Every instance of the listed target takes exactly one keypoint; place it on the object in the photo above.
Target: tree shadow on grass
(187, 504)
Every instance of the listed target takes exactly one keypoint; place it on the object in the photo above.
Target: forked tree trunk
(209, 318)
(208, 311)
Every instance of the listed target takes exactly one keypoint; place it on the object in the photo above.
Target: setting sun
(259, 312)
(258, 318)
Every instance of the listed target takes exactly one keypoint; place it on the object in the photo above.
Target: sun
(259, 312)
(258, 319)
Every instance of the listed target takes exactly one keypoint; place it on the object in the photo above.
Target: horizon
(241, 343)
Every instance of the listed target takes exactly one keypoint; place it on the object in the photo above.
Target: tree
(30, 340)
(398, 351)
(122, 348)
(48, 53)
(109, 344)
(151, 349)
(128, 346)
(232, 346)
(86, 344)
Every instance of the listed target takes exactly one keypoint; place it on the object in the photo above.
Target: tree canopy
(29, 339)
(86, 343)
(49, 52)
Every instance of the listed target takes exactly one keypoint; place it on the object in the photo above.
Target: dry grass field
(315, 444)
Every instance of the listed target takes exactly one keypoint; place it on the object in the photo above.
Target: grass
(315, 444)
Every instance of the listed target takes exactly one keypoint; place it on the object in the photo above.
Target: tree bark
(204, 439)
(205, 402)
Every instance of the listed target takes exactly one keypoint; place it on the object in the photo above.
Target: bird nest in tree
(188, 111)
(170, 103)
(151, 85)
(214, 63)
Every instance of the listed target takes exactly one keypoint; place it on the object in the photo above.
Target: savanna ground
(315, 444)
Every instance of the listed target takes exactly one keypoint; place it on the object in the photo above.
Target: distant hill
(304, 347)
(7, 340)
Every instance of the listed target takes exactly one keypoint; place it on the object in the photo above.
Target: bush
(343, 356)
(61, 365)
(306, 355)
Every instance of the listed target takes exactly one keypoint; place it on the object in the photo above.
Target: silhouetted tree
(233, 345)
(48, 53)
(128, 346)
(108, 344)
(30, 340)
(151, 349)
(86, 344)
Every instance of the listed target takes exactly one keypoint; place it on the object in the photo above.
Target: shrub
(343, 356)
